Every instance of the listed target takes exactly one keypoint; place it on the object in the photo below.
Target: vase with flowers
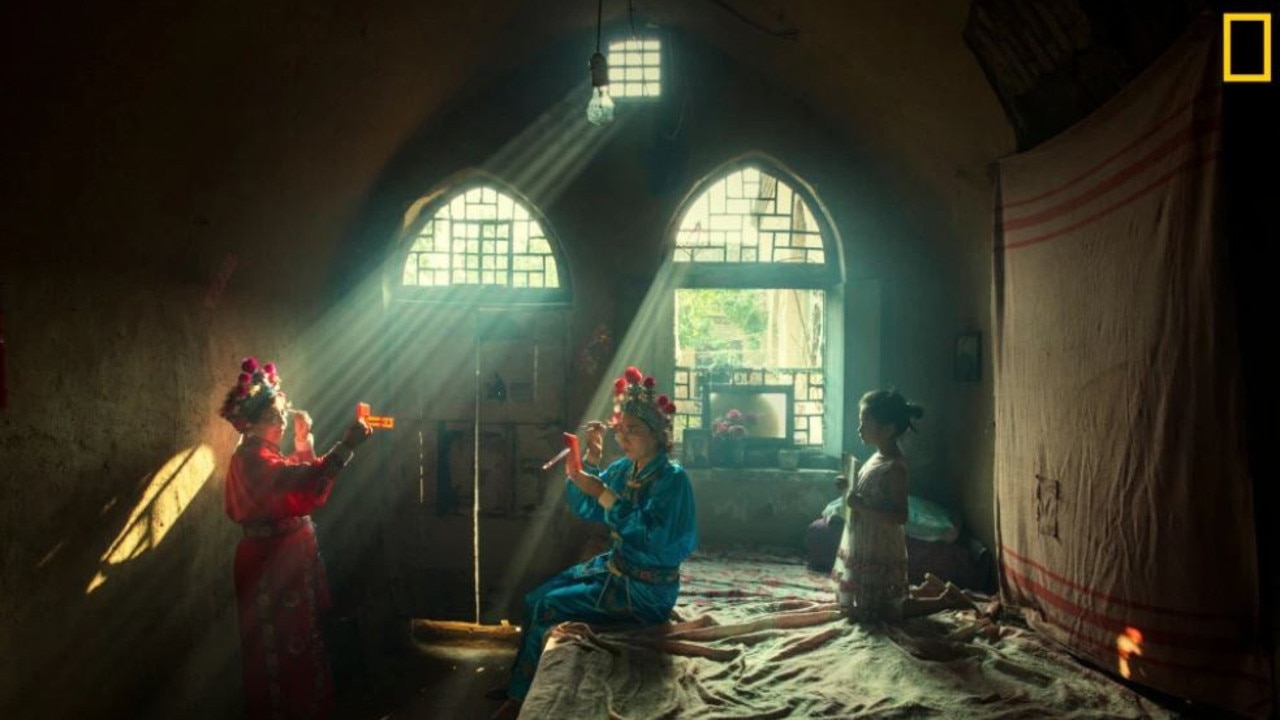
(729, 434)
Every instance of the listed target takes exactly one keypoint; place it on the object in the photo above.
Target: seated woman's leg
(587, 600)
(533, 632)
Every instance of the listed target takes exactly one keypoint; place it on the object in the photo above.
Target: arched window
(480, 240)
(749, 216)
(476, 311)
(758, 281)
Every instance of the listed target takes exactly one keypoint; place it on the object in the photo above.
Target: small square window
(635, 69)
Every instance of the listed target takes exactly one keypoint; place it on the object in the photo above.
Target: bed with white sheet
(758, 636)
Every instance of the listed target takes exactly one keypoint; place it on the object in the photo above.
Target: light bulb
(600, 109)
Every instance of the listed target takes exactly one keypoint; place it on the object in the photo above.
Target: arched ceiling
(896, 79)
(238, 123)
(937, 89)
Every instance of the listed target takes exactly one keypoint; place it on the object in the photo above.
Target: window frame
(829, 277)
(424, 209)
(662, 75)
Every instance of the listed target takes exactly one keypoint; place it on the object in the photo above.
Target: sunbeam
(373, 339)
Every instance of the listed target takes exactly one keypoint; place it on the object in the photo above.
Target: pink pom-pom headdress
(255, 390)
(634, 393)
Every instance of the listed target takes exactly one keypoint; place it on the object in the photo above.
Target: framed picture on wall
(967, 365)
(696, 448)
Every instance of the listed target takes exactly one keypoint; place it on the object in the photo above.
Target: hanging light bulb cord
(599, 66)
(600, 109)
(599, 21)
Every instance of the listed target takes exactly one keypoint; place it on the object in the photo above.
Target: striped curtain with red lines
(1124, 507)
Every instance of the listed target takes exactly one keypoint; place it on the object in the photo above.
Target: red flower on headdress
(649, 382)
(671, 409)
(620, 385)
(256, 386)
(633, 374)
(663, 401)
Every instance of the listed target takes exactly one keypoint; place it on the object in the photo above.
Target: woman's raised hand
(301, 425)
(356, 433)
(595, 441)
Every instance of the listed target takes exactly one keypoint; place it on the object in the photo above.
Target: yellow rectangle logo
(1227, 74)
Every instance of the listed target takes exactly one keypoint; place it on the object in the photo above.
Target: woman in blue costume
(647, 502)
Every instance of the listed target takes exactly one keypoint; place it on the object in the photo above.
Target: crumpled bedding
(756, 637)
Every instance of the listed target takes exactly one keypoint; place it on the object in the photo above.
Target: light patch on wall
(171, 489)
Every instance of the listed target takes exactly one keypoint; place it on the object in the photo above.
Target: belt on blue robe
(644, 573)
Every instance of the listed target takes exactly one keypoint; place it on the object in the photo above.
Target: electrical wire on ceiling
(684, 97)
(784, 34)
(791, 34)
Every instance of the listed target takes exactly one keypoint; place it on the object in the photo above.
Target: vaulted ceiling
(940, 87)
(897, 79)
(189, 107)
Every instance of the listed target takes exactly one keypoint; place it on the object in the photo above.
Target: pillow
(929, 521)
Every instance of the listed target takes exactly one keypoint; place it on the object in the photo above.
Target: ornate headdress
(634, 393)
(255, 391)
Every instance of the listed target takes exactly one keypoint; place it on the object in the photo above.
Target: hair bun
(914, 411)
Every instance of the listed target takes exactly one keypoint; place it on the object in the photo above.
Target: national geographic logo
(1246, 47)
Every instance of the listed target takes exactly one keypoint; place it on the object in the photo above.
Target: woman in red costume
(280, 582)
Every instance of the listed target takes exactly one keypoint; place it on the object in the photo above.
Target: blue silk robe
(635, 582)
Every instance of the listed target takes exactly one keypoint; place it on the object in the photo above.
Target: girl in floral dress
(871, 565)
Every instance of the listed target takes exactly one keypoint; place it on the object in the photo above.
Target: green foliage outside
(723, 326)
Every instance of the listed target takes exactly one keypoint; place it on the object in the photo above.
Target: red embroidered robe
(280, 581)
